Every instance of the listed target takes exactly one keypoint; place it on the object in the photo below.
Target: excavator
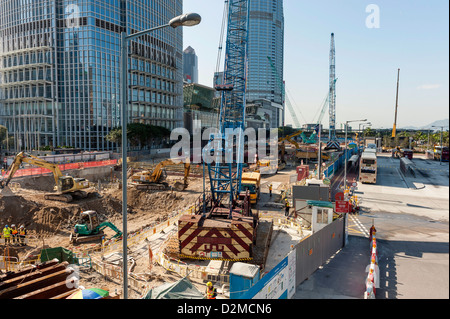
(67, 187)
(89, 228)
(152, 180)
(306, 152)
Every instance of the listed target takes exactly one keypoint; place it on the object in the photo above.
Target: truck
(251, 181)
(370, 140)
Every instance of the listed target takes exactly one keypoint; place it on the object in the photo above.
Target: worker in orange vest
(270, 190)
(22, 234)
(14, 233)
(210, 291)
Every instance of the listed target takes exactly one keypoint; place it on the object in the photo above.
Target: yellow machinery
(306, 152)
(67, 187)
(147, 180)
(251, 181)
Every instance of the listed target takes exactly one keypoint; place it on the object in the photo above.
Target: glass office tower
(60, 69)
(266, 39)
(190, 65)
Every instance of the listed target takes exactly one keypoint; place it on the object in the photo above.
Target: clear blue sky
(413, 36)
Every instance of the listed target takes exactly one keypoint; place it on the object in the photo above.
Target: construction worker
(22, 234)
(7, 234)
(286, 207)
(14, 233)
(210, 291)
(270, 190)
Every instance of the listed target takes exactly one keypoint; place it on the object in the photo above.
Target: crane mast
(225, 175)
(332, 143)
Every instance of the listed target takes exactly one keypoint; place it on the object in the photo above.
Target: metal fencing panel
(315, 250)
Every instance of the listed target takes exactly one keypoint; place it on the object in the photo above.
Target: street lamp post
(345, 176)
(345, 168)
(189, 19)
(361, 131)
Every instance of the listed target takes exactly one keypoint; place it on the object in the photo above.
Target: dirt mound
(50, 220)
(16, 210)
(144, 201)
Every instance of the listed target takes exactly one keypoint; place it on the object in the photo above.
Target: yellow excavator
(67, 187)
(153, 180)
(306, 152)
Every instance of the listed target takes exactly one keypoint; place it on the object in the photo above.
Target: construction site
(186, 224)
(159, 222)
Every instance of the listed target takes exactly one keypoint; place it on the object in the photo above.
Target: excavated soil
(51, 222)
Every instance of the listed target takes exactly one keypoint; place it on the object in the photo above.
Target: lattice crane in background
(284, 95)
(333, 142)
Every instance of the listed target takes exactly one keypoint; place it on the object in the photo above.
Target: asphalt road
(411, 216)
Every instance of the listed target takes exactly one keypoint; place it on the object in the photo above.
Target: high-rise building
(60, 69)
(266, 39)
(190, 65)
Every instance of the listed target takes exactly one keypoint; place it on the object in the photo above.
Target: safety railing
(115, 274)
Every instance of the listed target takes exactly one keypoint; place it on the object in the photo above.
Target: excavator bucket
(179, 186)
(6, 191)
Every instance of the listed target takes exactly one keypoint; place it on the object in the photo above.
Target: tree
(138, 134)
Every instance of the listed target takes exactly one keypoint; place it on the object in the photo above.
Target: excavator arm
(290, 140)
(157, 172)
(33, 160)
(112, 226)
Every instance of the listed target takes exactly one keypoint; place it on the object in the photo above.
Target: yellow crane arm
(156, 175)
(36, 161)
(289, 138)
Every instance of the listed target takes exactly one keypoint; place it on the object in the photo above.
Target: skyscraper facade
(266, 39)
(190, 65)
(60, 69)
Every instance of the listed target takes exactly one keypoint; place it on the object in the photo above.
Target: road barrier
(373, 275)
(37, 171)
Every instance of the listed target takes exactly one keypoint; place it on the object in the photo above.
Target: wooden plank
(33, 274)
(35, 284)
(50, 291)
(27, 269)
(64, 295)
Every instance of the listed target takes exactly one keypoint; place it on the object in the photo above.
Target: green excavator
(90, 229)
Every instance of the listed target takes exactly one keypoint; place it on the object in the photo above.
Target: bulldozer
(153, 180)
(67, 187)
(90, 229)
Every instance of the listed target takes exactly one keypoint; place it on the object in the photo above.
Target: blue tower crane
(225, 174)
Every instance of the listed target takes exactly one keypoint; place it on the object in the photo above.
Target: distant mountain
(429, 126)
(436, 123)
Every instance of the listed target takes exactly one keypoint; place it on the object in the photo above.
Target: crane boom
(394, 129)
(333, 142)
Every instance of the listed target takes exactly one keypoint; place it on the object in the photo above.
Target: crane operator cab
(68, 183)
(87, 223)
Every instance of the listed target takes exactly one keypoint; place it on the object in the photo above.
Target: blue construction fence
(338, 163)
